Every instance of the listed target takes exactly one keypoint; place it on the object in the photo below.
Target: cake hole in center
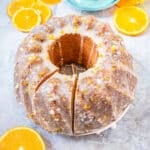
(73, 53)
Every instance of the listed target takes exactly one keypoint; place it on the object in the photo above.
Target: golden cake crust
(79, 103)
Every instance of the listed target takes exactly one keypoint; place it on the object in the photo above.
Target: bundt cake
(74, 75)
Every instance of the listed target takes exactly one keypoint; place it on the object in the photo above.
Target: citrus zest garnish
(100, 55)
(51, 37)
(131, 20)
(21, 138)
(25, 19)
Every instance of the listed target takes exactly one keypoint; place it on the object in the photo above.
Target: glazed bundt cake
(74, 75)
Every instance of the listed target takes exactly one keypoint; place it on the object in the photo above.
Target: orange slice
(26, 19)
(44, 11)
(131, 20)
(26, 3)
(17, 4)
(129, 2)
(21, 138)
(12, 8)
(50, 2)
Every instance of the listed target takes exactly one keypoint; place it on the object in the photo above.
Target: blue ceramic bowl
(92, 5)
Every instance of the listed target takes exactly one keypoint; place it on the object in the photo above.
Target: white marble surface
(131, 133)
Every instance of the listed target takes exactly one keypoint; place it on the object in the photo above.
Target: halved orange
(129, 2)
(26, 19)
(131, 20)
(50, 2)
(17, 4)
(44, 11)
(21, 138)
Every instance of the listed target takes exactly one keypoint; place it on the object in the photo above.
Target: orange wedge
(44, 11)
(131, 20)
(26, 19)
(21, 138)
(17, 4)
(50, 2)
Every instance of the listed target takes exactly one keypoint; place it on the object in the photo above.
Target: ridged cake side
(53, 104)
(64, 103)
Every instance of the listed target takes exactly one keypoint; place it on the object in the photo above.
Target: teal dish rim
(98, 7)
